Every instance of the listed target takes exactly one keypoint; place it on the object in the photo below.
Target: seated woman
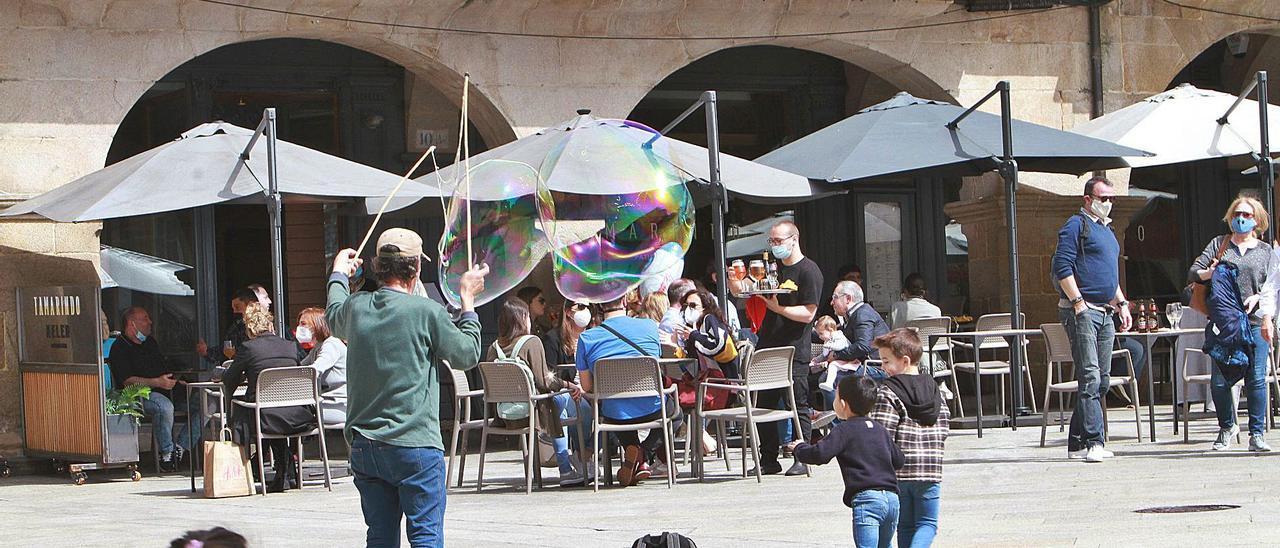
(707, 333)
(329, 358)
(561, 341)
(516, 341)
(913, 305)
(266, 350)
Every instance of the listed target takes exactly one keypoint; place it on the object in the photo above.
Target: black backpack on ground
(664, 540)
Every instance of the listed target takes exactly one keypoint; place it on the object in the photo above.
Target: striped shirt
(922, 445)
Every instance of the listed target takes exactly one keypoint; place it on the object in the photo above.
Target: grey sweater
(1256, 266)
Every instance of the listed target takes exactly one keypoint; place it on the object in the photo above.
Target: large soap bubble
(506, 230)
(603, 244)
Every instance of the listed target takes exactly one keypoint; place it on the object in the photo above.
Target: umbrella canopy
(907, 136)
(1181, 125)
(203, 167)
(580, 137)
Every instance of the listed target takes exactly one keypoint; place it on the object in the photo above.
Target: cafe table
(1014, 337)
(1149, 339)
(206, 389)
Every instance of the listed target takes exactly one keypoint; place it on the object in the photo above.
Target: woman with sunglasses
(709, 335)
(561, 341)
(1255, 281)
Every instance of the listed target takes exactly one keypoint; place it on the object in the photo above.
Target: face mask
(303, 333)
(780, 251)
(692, 315)
(1242, 225)
(581, 318)
(138, 334)
(1102, 209)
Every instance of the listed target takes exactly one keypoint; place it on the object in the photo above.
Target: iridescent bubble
(603, 244)
(506, 229)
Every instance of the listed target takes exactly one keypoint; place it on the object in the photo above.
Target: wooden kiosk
(63, 397)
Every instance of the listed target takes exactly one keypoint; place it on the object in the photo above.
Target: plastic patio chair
(462, 421)
(631, 377)
(512, 383)
(1058, 347)
(288, 387)
(998, 368)
(768, 369)
(926, 327)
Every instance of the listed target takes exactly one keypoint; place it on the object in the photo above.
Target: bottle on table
(1140, 322)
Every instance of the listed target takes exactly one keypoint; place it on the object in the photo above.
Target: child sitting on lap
(833, 340)
(868, 459)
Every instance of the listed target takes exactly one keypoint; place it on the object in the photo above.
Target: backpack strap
(497, 348)
(515, 350)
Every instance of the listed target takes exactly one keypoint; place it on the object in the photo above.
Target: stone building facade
(70, 71)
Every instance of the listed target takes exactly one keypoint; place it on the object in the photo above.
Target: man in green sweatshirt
(396, 344)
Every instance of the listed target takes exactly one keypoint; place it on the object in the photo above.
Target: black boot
(284, 478)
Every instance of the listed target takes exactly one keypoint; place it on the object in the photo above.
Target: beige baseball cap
(402, 241)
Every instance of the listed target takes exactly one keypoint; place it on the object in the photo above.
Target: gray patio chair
(631, 377)
(287, 387)
(1058, 349)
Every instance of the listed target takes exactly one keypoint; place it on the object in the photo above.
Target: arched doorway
(771, 95)
(1186, 201)
(331, 97)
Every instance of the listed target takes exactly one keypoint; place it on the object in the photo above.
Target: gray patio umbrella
(214, 163)
(907, 136)
(203, 167)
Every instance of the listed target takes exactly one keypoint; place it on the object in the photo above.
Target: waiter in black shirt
(789, 322)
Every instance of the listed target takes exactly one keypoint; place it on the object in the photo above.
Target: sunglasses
(1244, 214)
(692, 305)
(1103, 199)
(578, 306)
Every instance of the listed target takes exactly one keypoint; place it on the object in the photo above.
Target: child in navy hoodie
(868, 460)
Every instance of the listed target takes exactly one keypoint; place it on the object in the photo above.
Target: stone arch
(494, 126)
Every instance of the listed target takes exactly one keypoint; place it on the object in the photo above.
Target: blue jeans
(1092, 335)
(1255, 387)
(159, 408)
(399, 481)
(918, 519)
(875, 516)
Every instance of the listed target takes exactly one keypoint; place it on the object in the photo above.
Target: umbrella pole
(1009, 171)
(1265, 168)
(275, 210)
(720, 204)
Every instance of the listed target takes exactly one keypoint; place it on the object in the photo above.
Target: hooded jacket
(919, 395)
(921, 445)
(1227, 338)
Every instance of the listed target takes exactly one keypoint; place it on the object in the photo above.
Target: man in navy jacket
(1086, 266)
(862, 324)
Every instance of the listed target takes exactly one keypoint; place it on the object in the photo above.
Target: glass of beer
(229, 350)
(737, 270)
(756, 270)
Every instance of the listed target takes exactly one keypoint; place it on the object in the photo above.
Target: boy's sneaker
(1097, 454)
(1224, 437)
(1258, 444)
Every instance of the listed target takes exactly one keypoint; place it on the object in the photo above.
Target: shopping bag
(226, 469)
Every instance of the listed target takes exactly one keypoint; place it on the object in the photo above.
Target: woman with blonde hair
(266, 350)
(1241, 270)
(654, 306)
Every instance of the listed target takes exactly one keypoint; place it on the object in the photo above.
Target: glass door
(886, 246)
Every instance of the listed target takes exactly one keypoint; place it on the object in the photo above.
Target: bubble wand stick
(465, 134)
(386, 202)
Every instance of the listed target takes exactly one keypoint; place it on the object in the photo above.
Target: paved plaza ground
(1001, 490)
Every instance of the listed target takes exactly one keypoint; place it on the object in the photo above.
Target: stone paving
(1001, 490)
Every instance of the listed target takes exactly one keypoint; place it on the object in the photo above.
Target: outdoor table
(208, 389)
(1014, 336)
(1149, 341)
(671, 367)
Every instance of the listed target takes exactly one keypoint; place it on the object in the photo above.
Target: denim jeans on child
(875, 516)
(918, 513)
(1092, 335)
(399, 481)
(1255, 387)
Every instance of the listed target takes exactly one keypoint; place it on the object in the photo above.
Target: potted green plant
(124, 414)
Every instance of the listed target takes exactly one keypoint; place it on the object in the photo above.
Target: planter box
(122, 439)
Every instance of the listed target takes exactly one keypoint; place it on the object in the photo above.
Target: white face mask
(692, 315)
(303, 333)
(1101, 209)
(582, 317)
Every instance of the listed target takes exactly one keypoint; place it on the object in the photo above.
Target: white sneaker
(579, 466)
(658, 470)
(1102, 451)
(1097, 454)
(1077, 454)
(1224, 437)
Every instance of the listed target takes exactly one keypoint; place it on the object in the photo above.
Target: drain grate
(1187, 508)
